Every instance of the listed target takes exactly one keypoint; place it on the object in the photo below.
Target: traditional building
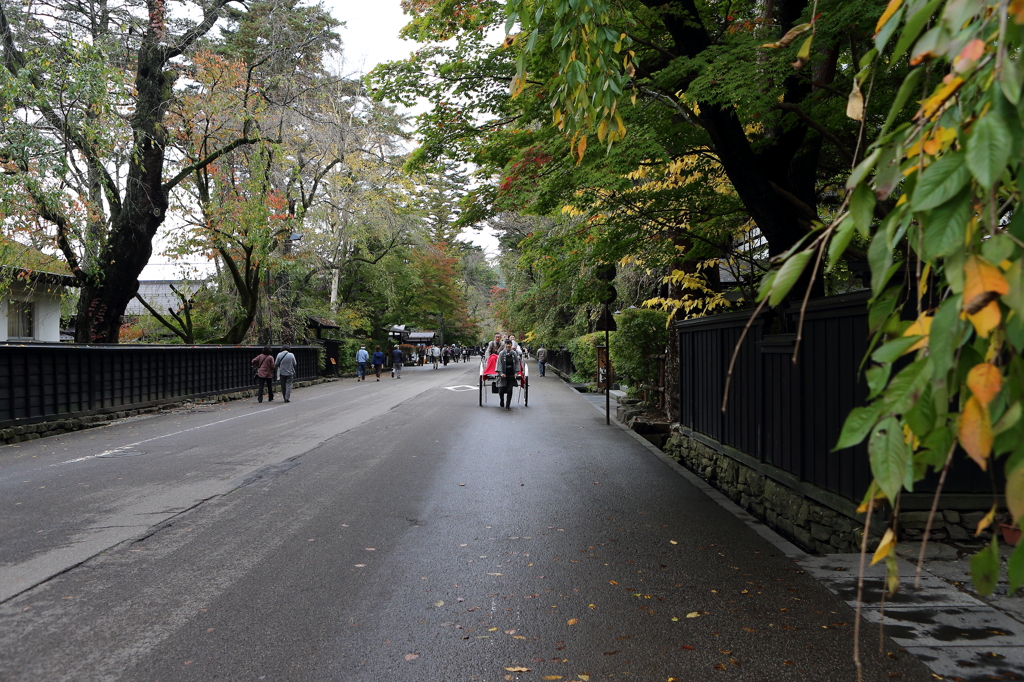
(32, 285)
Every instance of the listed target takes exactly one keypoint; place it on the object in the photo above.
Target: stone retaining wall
(814, 524)
(56, 427)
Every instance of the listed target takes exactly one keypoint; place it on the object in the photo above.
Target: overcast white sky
(369, 37)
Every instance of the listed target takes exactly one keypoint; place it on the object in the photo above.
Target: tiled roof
(24, 257)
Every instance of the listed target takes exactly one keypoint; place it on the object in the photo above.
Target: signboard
(605, 372)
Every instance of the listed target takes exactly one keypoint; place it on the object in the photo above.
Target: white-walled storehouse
(31, 287)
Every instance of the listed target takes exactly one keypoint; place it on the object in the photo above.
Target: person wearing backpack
(285, 362)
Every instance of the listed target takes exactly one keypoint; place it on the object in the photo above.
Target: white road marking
(108, 453)
(462, 388)
(129, 446)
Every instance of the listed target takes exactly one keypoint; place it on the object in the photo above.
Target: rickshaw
(489, 372)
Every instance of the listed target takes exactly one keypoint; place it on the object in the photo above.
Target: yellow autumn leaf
(975, 431)
(890, 10)
(551, 677)
(1017, 10)
(888, 542)
(985, 382)
(920, 327)
(693, 614)
(983, 282)
(602, 131)
(791, 35)
(986, 319)
(518, 669)
(572, 621)
(934, 103)
(986, 521)
(932, 144)
(863, 508)
(581, 148)
(516, 86)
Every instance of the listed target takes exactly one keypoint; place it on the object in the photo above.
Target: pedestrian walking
(362, 357)
(509, 365)
(446, 355)
(378, 362)
(396, 362)
(264, 365)
(285, 363)
(435, 355)
(542, 359)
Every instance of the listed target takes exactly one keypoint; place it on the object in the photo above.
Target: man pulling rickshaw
(503, 365)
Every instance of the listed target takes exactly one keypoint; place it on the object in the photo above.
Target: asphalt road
(395, 531)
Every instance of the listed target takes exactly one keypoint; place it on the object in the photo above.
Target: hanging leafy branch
(938, 196)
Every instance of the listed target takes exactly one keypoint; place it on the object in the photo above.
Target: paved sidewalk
(957, 634)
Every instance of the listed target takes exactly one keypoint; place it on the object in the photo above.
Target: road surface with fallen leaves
(395, 531)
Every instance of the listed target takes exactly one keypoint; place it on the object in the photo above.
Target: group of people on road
(510, 358)
(267, 366)
(508, 365)
(442, 354)
(363, 357)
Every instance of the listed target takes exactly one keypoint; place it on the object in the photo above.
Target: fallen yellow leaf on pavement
(573, 621)
(693, 614)
(518, 669)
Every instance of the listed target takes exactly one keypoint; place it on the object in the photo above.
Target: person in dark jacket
(397, 358)
(378, 362)
(264, 364)
(508, 367)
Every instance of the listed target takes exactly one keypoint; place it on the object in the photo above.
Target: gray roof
(158, 294)
(421, 336)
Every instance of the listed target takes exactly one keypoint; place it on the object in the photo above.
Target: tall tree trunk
(113, 282)
(774, 196)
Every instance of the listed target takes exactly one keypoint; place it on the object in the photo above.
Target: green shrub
(347, 354)
(641, 334)
(584, 356)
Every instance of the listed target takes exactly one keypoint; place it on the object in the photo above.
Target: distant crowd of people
(510, 354)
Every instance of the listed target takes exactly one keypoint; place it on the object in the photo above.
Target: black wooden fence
(561, 359)
(784, 414)
(39, 382)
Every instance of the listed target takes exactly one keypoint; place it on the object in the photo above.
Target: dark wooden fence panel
(561, 360)
(39, 382)
(785, 414)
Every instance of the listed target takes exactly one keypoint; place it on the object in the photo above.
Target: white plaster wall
(47, 322)
(47, 311)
